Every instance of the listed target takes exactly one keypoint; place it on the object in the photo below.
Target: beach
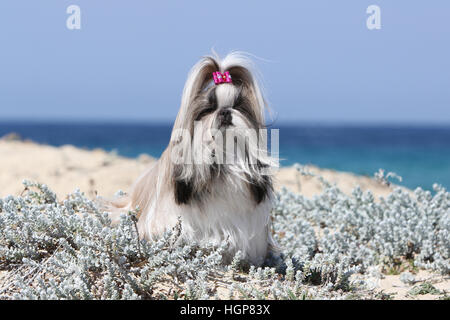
(97, 172)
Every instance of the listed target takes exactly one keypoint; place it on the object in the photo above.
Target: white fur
(226, 215)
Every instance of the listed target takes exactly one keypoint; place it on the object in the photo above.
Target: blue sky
(130, 59)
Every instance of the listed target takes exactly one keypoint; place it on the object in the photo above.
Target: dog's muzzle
(225, 117)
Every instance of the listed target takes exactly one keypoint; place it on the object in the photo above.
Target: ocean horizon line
(284, 123)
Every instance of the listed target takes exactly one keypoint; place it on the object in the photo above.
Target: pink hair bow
(222, 77)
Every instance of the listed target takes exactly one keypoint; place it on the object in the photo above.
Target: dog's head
(219, 127)
(238, 103)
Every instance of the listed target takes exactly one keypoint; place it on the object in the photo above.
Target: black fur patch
(260, 189)
(242, 105)
(183, 192)
(209, 107)
(212, 98)
(183, 189)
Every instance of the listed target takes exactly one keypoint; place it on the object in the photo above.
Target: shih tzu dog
(215, 173)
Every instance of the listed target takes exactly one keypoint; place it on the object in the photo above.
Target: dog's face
(220, 131)
(221, 114)
(225, 107)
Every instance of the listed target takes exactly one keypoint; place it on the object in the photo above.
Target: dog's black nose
(225, 116)
(225, 112)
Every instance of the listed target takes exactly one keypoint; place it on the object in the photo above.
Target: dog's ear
(245, 75)
(182, 191)
(199, 78)
(183, 188)
(260, 189)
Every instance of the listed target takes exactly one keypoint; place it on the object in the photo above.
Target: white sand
(66, 168)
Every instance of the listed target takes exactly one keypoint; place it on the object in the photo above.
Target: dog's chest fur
(226, 211)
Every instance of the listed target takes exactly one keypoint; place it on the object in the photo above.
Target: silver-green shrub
(68, 249)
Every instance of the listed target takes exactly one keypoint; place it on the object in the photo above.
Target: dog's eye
(239, 107)
(240, 104)
(212, 99)
(242, 108)
(205, 112)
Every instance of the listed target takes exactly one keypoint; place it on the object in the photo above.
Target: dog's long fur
(216, 202)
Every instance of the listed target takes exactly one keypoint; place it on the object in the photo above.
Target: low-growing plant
(423, 288)
(68, 249)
